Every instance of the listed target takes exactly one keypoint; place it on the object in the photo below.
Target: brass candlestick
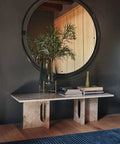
(52, 90)
(87, 84)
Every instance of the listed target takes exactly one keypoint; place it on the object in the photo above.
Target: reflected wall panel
(83, 46)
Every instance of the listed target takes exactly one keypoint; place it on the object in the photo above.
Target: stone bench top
(41, 97)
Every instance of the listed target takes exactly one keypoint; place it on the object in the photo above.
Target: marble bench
(36, 107)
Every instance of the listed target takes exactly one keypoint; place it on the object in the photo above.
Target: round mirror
(62, 31)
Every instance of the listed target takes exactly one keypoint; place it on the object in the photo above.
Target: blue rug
(99, 137)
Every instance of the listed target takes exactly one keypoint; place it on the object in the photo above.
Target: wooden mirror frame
(25, 22)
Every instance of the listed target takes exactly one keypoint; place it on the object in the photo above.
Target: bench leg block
(80, 119)
(91, 110)
(36, 114)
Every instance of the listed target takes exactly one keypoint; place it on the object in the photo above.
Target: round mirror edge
(29, 13)
(29, 57)
(25, 21)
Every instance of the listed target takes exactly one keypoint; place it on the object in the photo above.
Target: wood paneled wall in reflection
(83, 46)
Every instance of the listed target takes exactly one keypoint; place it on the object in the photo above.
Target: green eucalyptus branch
(53, 44)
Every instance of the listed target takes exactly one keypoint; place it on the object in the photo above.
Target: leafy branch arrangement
(53, 44)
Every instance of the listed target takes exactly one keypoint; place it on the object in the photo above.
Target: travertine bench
(36, 107)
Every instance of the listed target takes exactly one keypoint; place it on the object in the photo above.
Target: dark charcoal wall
(108, 58)
(17, 73)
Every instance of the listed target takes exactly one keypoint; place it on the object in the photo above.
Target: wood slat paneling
(63, 60)
(89, 35)
(79, 42)
(70, 62)
(83, 46)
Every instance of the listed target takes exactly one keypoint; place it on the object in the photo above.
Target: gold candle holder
(54, 90)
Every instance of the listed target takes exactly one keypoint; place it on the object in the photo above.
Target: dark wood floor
(13, 132)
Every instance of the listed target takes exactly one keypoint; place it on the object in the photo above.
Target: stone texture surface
(36, 108)
(91, 110)
(80, 119)
(32, 114)
(42, 97)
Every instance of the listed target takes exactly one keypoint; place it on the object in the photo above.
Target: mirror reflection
(62, 33)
